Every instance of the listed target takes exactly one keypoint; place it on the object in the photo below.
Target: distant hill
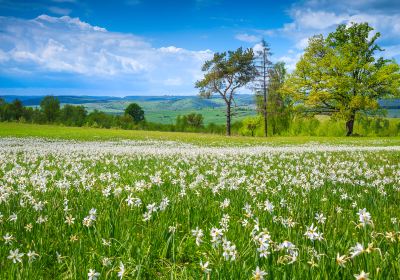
(65, 99)
(165, 109)
(162, 109)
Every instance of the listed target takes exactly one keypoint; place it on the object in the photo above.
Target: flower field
(169, 210)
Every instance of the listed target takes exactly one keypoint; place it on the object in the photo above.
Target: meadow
(81, 203)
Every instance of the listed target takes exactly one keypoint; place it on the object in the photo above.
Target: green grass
(39, 181)
(166, 113)
(89, 134)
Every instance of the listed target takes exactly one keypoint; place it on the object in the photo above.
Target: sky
(157, 47)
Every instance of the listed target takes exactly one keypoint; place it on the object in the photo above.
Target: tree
(262, 81)
(279, 105)
(50, 106)
(3, 105)
(135, 111)
(195, 120)
(225, 73)
(73, 115)
(341, 76)
(251, 124)
(13, 111)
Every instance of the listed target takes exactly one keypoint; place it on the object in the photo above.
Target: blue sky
(152, 47)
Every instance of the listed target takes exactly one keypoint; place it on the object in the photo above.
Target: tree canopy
(224, 74)
(50, 106)
(341, 75)
(135, 111)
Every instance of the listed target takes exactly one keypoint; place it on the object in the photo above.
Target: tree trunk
(228, 119)
(265, 94)
(265, 114)
(350, 125)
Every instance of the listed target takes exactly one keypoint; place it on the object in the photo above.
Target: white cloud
(65, 46)
(290, 60)
(247, 38)
(59, 11)
(322, 16)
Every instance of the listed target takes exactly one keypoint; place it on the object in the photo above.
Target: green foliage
(190, 122)
(50, 106)
(279, 106)
(226, 73)
(135, 111)
(340, 76)
(250, 125)
(73, 115)
(99, 119)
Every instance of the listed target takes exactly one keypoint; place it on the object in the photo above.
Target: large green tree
(224, 74)
(135, 111)
(341, 75)
(50, 106)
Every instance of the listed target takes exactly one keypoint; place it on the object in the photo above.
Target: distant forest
(49, 110)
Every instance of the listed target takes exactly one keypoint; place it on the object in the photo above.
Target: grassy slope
(87, 134)
(166, 111)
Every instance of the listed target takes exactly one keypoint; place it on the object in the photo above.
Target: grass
(147, 207)
(89, 134)
(166, 111)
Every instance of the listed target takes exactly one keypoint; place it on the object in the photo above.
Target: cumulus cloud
(322, 16)
(64, 46)
(247, 38)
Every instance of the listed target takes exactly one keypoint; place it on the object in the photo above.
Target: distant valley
(160, 109)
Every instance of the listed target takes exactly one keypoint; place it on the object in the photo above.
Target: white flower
(106, 261)
(259, 274)
(229, 250)
(364, 217)
(171, 229)
(93, 275)
(356, 250)
(204, 267)
(31, 256)
(92, 214)
(198, 233)
(341, 260)
(121, 271)
(15, 256)
(59, 257)
(8, 238)
(225, 203)
(106, 242)
(129, 200)
(320, 218)
(13, 217)
(69, 220)
(362, 276)
(313, 234)
(216, 236)
(164, 203)
(268, 206)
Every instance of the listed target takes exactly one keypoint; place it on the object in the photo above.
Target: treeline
(320, 126)
(281, 121)
(51, 112)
